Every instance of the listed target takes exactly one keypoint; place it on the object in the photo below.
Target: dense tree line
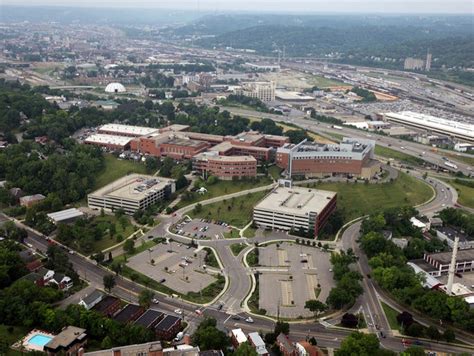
(389, 269)
(458, 218)
(11, 265)
(267, 126)
(254, 103)
(366, 95)
(348, 286)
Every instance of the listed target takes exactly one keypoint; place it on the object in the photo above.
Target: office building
(295, 208)
(350, 157)
(225, 167)
(414, 64)
(264, 91)
(132, 192)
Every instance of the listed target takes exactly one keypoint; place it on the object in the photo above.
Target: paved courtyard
(290, 275)
(202, 229)
(176, 265)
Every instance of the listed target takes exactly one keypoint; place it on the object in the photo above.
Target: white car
(155, 301)
(178, 311)
(249, 320)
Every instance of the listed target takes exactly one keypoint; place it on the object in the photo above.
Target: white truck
(450, 164)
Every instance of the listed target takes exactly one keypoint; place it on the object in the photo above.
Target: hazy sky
(364, 6)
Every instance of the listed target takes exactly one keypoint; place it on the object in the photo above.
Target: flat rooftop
(67, 214)
(148, 318)
(128, 129)
(108, 139)
(133, 186)
(66, 337)
(184, 142)
(445, 257)
(296, 200)
(229, 158)
(167, 323)
(451, 233)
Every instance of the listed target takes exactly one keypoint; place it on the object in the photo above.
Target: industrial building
(457, 129)
(350, 157)
(225, 167)
(264, 91)
(449, 234)
(438, 263)
(126, 130)
(132, 192)
(295, 208)
(110, 142)
(414, 64)
(65, 216)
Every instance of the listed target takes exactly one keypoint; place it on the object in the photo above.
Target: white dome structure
(115, 88)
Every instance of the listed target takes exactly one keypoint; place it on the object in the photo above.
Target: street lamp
(150, 250)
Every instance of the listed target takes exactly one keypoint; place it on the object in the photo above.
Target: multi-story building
(265, 91)
(69, 342)
(126, 130)
(295, 208)
(132, 192)
(225, 167)
(439, 262)
(414, 64)
(350, 157)
(168, 327)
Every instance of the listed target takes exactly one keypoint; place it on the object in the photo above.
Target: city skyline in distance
(298, 6)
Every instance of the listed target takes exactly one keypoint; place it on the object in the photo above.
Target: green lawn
(275, 172)
(250, 232)
(235, 211)
(466, 194)
(225, 187)
(357, 199)
(107, 240)
(391, 315)
(237, 248)
(232, 234)
(400, 156)
(139, 248)
(322, 82)
(252, 258)
(210, 260)
(116, 168)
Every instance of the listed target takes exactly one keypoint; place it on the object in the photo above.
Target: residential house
(286, 346)
(69, 342)
(167, 328)
(89, 301)
(108, 306)
(258, 344)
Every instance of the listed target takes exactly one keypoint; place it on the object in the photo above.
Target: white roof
(296, 200)
(115, 88)
(417, 223)
(436, 123)
(239, 335)
(62, 215)
(430, 281)
(108, 139)
(128, 129)
(470, 299)
(256, 339)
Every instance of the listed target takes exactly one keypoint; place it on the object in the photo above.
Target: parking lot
(175, 265)
(291, 274)
(202, 229)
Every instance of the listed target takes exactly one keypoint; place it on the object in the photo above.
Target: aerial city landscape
(236, 178)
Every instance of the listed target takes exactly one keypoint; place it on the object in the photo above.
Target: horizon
(301, 7)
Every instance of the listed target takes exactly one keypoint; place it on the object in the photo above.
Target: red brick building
(225, 167)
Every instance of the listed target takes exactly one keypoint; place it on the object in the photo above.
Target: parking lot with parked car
(202, 229)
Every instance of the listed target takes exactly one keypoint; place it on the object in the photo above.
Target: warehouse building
(439, 262)
(132, 192)
(110, 142)
(65, 216)
(295, 208)
(225, 167)
(308, 159)
(126, 130)
(435, 124)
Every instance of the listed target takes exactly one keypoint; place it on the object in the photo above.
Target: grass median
(235, 211)
(399, 156)
(116, 168)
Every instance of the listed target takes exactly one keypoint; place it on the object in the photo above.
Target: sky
(299, 6)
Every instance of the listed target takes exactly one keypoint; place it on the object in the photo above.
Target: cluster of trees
(389, 269)
(157, 80)
(18, 101)
(324, 118)
(348, 286)
(458, 218)
(255, 103)
(11, 265)
(359, 343)
(186, 68)
(69, 175)
(267, 126)
(84, 233)
(366, 95)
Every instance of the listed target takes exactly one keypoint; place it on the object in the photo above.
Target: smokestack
(452, 266)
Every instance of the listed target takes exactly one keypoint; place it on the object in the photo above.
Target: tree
(414, 351)
(116, 266)
(281, 327)
(433, 333)
(349, 320)
(129, 246)
(208, 337)
(415, 330)
(145, 297)
(106, 343)
(245, 349)
(359, 344)
(405, 319)
(109, 282)
(181, 181)
(315, 306)
(449, 335)
(98, 257)
(313, 341)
